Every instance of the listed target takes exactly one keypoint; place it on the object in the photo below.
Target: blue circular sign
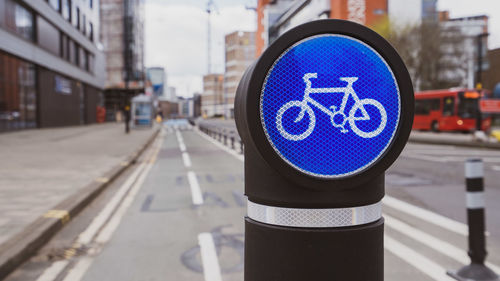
(330, 106)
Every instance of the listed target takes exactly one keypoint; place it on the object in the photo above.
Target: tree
(433, 53)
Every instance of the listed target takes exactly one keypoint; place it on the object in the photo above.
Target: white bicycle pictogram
(307, 101)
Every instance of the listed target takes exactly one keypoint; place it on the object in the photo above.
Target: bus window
(424, 107)
(449, 106)
(468, 108)
(421, 107)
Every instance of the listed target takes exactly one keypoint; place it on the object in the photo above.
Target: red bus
(449, 110)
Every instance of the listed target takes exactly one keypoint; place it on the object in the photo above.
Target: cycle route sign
(330, 106)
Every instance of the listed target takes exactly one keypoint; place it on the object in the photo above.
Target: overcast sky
(176, 34)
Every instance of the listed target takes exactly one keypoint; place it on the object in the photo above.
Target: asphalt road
(178, 215)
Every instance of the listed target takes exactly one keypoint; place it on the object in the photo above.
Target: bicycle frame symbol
(334, 113)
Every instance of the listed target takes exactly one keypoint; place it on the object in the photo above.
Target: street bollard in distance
(325, 110)
(474, 184)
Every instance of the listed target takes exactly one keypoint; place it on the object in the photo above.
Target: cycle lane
(159, 236)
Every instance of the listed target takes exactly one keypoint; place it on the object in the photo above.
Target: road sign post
(323, 113)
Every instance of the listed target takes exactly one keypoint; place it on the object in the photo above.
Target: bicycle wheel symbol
(303, 109)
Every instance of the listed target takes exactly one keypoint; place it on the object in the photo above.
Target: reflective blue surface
(330, 106)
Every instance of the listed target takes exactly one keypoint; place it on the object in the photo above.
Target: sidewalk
(41, 169)
(458, 139)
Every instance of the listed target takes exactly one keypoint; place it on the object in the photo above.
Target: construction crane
(211, 7)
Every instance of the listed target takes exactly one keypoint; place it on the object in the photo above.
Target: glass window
(56, 4)
(91, 32)
(77, 18)
(91, 63)
(16, 18)
(448, 106)
(17, 94)
(468, 107)
(77, 54)
(84, 24)
(66, 9)
(48, 36)
(91, 4)
(84, 59)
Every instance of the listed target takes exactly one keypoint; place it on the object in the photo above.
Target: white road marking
(86, 236)
(195, 188)
(79, 270)
(186, 159)
(127, 191)
(108, 230)
(182, 146)
(53, 271)
(425, 215)
(417, 260)
(211, 268)
(495, 168)
(439, 245)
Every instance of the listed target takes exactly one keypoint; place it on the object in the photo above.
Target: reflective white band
(474, 200)
(314, 217)
(474, 169)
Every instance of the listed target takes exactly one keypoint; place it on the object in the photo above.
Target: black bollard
(476, 270)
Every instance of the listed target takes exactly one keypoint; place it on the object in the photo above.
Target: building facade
(51, 68)
(122, 36)
(212, 99)
(465, 52)
(239, 55)
(274, 17)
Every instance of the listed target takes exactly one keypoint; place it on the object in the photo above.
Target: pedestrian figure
(127, 119)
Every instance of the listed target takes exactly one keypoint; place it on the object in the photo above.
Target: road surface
(178, 215)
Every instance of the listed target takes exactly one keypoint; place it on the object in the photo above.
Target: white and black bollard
(476, 271)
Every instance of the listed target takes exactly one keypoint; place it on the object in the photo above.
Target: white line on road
(195, 188)
(79, 270)
(86, 236)
(53, 271)
(182, 146)
(108, 230)
(439, 245)
(186, 159)
(211, 268)
(126, 192)
(420, 262)
(425, 215)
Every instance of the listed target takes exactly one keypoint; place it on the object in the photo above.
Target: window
(17, 19)
(424, 107)
(448, 106)
(17, 94)
(56, 4)
(49, 36)
(84, 59)
(91, 4)
(84, 24)
(77, 54)
(91, 32)
(66, 9)
(77, 18)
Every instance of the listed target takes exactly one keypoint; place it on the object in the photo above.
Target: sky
(176, 34)
(176, 38)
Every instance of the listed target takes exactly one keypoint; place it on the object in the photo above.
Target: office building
(274, 17)
(240, 53)
(213, 95)
(122, 35)
(51, 68)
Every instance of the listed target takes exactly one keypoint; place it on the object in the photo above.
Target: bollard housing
(325, 110)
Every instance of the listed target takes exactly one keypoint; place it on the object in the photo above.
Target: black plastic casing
(269, 180)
